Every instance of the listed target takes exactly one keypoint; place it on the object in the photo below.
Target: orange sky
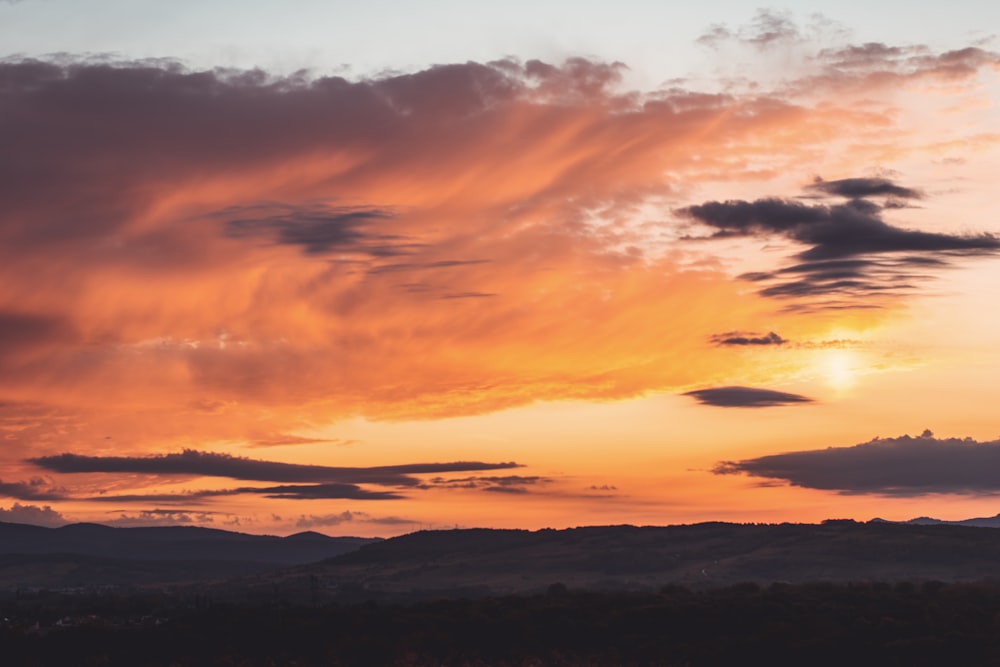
(233, 299)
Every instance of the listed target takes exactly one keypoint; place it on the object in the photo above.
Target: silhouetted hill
(978, 522)
(181, 553)
(490, 562)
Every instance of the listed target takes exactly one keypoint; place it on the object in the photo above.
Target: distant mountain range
(491, 562)
(479, 562)
(172, 543)
(980, 522)
(88, 554)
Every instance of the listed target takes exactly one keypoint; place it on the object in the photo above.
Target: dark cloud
(208, 464)
(283, 439)
(509, 483)
(86, 130)
(21, 333)
(162, 517)
(33, 514)
(425, 266)
(838, 231)
(742, 338)
(467, 295)
(903, 466)
(329, 491)
(320, 492)
(317, 229)
(856, 278)
(348, 516)
(35, 489)
(864, 187)
(17, 329)
(745, 397)
(854, 253)
(314, 520)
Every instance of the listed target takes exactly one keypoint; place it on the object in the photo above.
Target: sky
(359, 269)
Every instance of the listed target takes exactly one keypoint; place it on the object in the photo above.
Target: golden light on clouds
(509, 268)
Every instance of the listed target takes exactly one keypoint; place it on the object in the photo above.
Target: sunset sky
(351, 268)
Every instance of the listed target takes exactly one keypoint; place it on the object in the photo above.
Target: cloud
(233, 253)
(209, 464)
(25, 335)
(903, 466)
(35, 489)
(319, 492)
(864, 187)
(837, 231)
(317, 229)
(767, 29)
(305, 482)
(417, 266)
(854, 255)
(274, 235)
(874, 64)
(161, 517)
(284, 439)
(314, 520)
(745, 397)
(327, 491)
(32, 514)
(348, 516)
(19, 328)
(502, 483)
(742, 338)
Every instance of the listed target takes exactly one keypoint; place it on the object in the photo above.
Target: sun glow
(839, 369)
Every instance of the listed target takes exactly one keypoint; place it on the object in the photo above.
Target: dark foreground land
(930, 623)
(600, 596)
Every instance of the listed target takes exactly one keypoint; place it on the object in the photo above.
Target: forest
(904, 623)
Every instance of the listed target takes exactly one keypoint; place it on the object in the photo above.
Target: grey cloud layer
(903, 466)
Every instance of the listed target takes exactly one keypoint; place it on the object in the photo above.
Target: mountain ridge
(169, 543)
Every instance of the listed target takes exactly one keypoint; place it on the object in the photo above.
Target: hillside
(708, 555)
(95, 555)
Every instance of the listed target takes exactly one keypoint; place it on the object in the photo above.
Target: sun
(839, 368)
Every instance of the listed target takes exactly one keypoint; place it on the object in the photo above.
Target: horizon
(446, 528)
(314, 267)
